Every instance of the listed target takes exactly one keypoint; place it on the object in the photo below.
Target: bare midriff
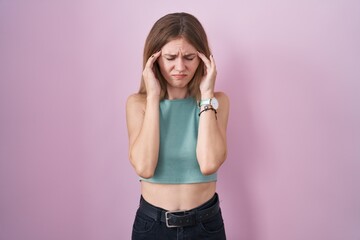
(177, 196)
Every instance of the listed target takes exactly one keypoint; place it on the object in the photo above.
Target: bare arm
(142, 116)
(211, 148)
(143, 129)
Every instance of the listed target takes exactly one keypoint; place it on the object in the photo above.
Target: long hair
(170, 27)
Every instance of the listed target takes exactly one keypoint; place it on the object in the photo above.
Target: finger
(204, 59)
(212, 60)
(152, 59)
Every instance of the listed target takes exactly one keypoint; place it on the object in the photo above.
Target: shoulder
(222, 98)
(136, 101)
(221, 95)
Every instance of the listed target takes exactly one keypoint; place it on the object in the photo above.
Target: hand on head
(151, 82)
(208, 81)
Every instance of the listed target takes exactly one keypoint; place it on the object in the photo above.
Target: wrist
(153, 98)
(207, 95)
(207, 100)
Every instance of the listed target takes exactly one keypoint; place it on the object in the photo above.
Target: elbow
(144, 173)
(211, 164)
(142, 169)
(208, 169)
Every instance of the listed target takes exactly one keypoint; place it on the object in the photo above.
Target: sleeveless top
(177, 163)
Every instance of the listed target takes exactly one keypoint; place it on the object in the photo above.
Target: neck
(175, 93)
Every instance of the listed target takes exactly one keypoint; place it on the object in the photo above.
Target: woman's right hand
(151, 82)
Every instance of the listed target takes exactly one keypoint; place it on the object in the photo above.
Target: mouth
(179, 76)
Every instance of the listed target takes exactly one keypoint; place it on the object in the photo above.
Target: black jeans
(147, 228)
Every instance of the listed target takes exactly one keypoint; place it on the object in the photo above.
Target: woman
(177, 134)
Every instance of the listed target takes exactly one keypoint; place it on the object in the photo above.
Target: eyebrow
(174, 55)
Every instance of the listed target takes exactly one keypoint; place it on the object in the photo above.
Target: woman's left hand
(208, 81)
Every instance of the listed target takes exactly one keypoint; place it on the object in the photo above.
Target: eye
(170, 58)
(189, 58)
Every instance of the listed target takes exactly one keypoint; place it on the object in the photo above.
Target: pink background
(290, 68)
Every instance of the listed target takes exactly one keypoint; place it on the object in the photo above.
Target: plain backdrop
(289, 67)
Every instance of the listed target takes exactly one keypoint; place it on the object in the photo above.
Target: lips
(179, 76)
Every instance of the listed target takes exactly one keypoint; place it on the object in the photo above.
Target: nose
(179, 64)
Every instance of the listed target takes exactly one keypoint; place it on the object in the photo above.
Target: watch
(211, 101)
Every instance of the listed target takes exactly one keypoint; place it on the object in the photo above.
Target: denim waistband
(184, 217)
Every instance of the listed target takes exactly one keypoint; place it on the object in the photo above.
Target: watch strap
(205, 102)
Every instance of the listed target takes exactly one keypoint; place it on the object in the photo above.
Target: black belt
(179, 218)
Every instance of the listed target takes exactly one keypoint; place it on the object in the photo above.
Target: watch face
(214, 103)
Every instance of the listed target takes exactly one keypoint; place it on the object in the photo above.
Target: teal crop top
(177, 161)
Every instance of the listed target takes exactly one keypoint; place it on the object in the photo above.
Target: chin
(180, 84)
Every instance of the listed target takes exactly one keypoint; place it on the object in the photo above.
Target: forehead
(178, 45)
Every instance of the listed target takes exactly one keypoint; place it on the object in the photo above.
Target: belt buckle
(167, 218)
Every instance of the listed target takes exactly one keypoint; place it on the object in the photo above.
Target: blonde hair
(170, 27)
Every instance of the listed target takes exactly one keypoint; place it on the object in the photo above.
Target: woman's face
(178, 62)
